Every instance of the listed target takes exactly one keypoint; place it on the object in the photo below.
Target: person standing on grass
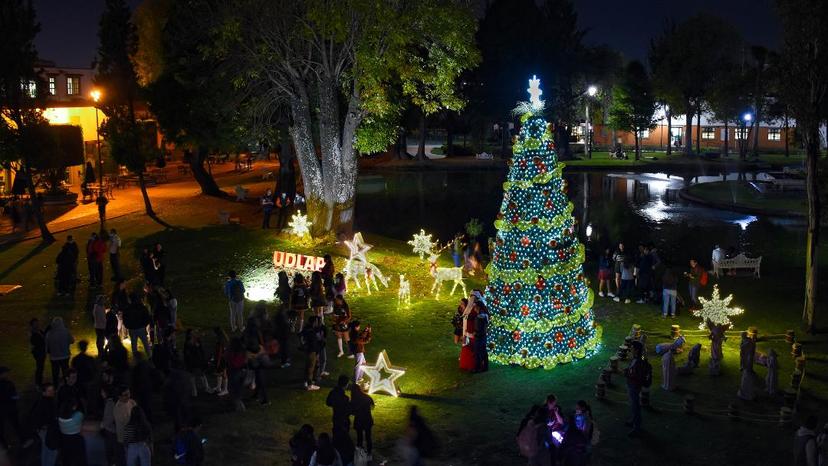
(605, 267)
(189, 446)
(302, 446)
(136, 320)
(234, 290)
(236, 361)
(342, 317)
(325, 454)
(267, 208)
(806, 452)
(67, 267)
(361, 406)
(363, 338)
(644, 269)
(639, 374)
(121, 413)
(312, 345)
(339, 402)
(669, 283)
(37, 343)
(8, 410)
(44, 420)
(115, 254)
(481, 331)
(618, 258)
(99, 322)
(86, 368)
(95, 251)
(72, 444)
(316, 292)
(457, 321)
(58, 342)
(299, 300)
(697, 278)
(627, 283)
(138, 439)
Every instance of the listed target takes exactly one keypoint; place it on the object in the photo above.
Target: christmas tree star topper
(378, 381)
(535, 92)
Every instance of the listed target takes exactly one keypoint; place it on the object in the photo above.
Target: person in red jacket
(95, 252)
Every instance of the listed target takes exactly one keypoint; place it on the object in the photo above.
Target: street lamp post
(591, 91)
(101, 200)
(743, 140)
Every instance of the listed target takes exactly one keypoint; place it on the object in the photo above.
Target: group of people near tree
(638, 275)
(471, 328)
(548, 436)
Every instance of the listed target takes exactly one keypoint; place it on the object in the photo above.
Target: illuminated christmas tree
(540, 305)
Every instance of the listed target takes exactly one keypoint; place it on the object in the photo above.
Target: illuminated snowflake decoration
(382, 376)
(300, 225)
(422, 244)
(716, 310)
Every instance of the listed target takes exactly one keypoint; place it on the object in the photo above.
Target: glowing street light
(747, 117)
(591, 92)
(96, 95)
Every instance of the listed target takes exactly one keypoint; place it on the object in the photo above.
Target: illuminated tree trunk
(422, 139)
(142, 182)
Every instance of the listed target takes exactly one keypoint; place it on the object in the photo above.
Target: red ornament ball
(516, 335)
(572, 342)
(525, 241)
(524, 310)
(559, 336)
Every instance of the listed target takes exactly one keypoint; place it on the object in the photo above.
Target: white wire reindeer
(369, 272)
(404, 294)
(444, 274)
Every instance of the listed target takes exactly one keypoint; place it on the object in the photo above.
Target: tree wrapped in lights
(541, 307)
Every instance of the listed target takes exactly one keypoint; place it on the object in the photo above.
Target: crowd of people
(626, 276)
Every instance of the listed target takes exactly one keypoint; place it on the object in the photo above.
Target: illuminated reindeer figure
(354, 269)
(404, 294)
(444, 274)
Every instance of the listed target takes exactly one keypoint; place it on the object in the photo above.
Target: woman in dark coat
(361, 406)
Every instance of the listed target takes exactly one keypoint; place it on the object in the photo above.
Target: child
(627, 281)
(605, 274)
(457, 321)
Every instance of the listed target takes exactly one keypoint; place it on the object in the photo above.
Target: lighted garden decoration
(422, 244)
(358, 265)
(382, 376)
(541, 307)
(300, 225)
(716, 310)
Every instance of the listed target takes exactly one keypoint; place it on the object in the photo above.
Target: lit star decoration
(535, 92)
(300, 225)
(716, 310)
(378, 381)
(422, 244)
(540, 305)
(358, 248)
(358, 265)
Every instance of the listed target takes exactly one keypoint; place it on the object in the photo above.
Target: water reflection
(633, 207)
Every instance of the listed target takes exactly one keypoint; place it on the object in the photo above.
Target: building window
(644, 134)
(29, 88)
(52, 85)
(708, 132)
(73, 85)
(742, 133)
(774, 134)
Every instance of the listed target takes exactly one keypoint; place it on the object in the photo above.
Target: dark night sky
(69, 27)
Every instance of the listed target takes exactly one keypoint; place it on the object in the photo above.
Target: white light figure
(404, 294)
(358, 265)
(444, 274)
(300, 225)
(422, 244)
(716, 310)
(382, 376)
(535, 92)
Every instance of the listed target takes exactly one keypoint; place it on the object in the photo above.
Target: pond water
(635, 208)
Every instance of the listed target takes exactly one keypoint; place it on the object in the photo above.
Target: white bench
(741, 261)
(241, 193)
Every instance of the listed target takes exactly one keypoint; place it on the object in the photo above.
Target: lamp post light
(591, 91)
(743, 140)
(101, 200)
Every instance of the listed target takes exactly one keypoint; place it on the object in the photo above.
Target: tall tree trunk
(726, 137)
(402, 145)
(688, 130)
(637, 137)
(449, 136)
(421, 139)
(202, 176)
(45, 235)
(814, 211)
(669, 133)
(142, 183)
(698, 130)
(787, 144)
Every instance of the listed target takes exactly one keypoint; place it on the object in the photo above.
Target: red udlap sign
(290, 260)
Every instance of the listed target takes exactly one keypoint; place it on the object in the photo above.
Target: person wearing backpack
(805, 443)
(639, 374)
(234, 290)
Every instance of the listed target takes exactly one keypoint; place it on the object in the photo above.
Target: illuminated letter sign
(288, 260)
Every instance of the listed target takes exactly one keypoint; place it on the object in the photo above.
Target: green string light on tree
(541, 307)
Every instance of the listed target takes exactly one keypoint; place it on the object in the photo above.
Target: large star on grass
(358, 248)
(300, 225)
(422, 244)
(716, 310)
(382, 376)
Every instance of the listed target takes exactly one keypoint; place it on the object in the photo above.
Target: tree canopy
(633, 103)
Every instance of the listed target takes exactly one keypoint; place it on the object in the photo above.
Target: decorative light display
(541, 307)
(358, 265)
(382, 376)
(422, 244)
(716, 310)
(404, 293)
(300, 225)
(288, 260)
(444, 274)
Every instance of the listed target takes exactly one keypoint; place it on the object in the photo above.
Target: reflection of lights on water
(656, 210)
(744, 222)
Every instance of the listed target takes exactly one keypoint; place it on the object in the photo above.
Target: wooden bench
(741, 261)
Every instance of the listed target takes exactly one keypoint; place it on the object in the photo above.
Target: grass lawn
(678, 159)
(740, 194)
(475, 416)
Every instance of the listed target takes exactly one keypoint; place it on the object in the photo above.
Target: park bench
(739, 262)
